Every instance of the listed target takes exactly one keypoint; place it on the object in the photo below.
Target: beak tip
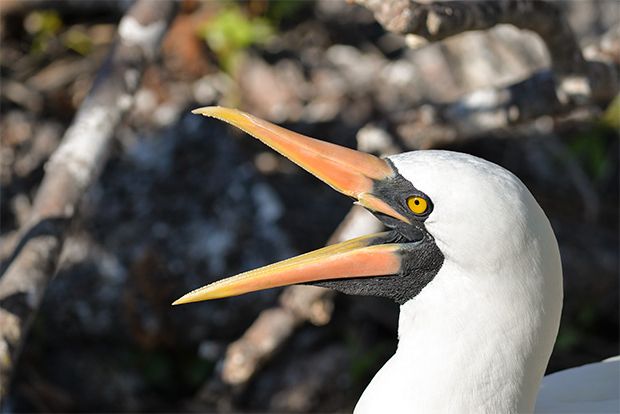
(182, 300)
(203, 110)
(198, 295)
(218, 112)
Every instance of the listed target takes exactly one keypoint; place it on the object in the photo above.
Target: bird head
(437, 206)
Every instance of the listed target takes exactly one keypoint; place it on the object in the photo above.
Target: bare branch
(268, 333)
(298, 304)
(577, 80)
(439, 20)
(71, 170)
(498, 108)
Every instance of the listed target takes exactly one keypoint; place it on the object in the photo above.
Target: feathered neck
(470, 344)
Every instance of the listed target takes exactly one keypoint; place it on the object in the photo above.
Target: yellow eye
(417, 204)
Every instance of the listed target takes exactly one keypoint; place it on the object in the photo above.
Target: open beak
(348, 171)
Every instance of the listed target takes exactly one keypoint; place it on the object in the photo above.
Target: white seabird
(473, 262)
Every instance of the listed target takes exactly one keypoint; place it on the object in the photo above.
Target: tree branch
(298, 304)
(498, 108)
(274, 326)
(577, 81)
(73, 167)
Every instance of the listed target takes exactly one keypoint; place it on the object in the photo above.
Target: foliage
(231, 31)
(591, 147)
(46, 28)
(611, 117)
(284, 9)
(77, 39)
(365, 361)
(43, 26)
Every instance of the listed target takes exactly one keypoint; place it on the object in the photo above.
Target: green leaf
(77, 40)
(611, 117)
(231, 31)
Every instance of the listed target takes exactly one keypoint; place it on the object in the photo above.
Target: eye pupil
(416, 202)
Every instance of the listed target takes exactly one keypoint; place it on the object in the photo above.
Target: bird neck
(467, 346)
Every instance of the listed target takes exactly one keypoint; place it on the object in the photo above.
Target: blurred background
(184, 200)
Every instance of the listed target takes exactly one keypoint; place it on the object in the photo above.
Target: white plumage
(591, 388)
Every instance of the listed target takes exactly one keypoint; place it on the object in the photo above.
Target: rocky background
(183, 200)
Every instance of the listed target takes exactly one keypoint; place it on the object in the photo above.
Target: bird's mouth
(348, 171)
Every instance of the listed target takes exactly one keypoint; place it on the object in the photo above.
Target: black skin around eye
(389, 190)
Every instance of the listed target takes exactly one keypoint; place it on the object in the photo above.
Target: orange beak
(348, 171)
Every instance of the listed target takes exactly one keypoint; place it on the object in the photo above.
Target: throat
(453, 358)
(458, 353)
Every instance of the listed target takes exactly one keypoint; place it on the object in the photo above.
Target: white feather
(592, 388)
